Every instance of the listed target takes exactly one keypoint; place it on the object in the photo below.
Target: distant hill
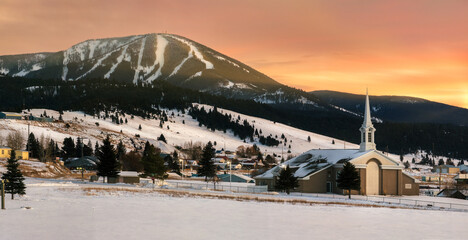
(398, 108)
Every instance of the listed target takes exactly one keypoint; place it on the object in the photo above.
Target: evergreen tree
(68, 148)
(259, 156)
(13, 176)
(348, 178)
(441, 162)
(162, 138)
(96, 149)
(174, 163)
(406, 164)
(88, 149)
(286, 180)
(207, 167)
(308, 139)
(153, 164)
(78, 148)
(108, 166)
(139, 127)
(33, 146)
(121, 150)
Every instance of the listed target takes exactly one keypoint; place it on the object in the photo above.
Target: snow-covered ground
(62, 210)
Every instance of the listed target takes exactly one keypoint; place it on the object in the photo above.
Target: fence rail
(390, 200)
(219, 187)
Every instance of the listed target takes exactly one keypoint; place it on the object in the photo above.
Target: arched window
(369, 138)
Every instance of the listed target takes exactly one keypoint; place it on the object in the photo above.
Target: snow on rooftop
(314, 160)
(128, 174)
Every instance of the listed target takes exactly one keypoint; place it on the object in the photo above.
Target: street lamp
(3, 193)
(82, 156)
(230, 175)
(181, 168)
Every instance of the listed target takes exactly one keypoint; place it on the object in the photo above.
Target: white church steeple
(367, 129)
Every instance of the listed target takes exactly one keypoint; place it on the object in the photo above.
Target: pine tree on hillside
(153, 164)
(88, 149)
(68, 148)
(33, 146)
(14, 178)
(348, 178)
(162, 138)
(96, 149)
(78, 148)
(173, 162)
(121, 150)
(286, 180)
(146, 149)
(207, 167)
(108, 166)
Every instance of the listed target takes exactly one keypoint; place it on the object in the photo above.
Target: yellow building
(20, 154)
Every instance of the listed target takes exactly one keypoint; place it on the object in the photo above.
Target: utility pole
(3, 194)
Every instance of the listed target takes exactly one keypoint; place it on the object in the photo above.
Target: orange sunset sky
(415, 48)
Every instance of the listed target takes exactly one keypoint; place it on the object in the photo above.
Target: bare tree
(15, 140)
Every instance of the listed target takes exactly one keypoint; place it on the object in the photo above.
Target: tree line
(96, 95)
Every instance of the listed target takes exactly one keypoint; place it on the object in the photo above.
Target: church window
(369, 137)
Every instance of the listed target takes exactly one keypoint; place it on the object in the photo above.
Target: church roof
(315, 160)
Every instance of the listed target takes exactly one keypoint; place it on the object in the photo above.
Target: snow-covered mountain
(150, 57)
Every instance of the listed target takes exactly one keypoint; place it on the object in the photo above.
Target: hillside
(398, 108)
(179, 130)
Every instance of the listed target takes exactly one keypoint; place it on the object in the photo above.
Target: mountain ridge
(397, 108)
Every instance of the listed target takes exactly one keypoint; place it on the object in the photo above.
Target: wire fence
(390, 200)
(219, 187)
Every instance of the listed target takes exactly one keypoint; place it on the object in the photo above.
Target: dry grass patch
(93, 191)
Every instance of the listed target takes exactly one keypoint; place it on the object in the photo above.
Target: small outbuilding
(7, 115)
(130, 177)
(20, 154)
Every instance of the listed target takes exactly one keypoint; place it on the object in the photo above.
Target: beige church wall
(373, 156)
(317, 183)
(390, 182)
(362, 174)
(373, 177)
(412, 188)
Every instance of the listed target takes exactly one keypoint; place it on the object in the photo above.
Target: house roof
(315, 160)
(128, 174)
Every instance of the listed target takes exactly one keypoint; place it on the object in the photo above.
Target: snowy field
(63, 210)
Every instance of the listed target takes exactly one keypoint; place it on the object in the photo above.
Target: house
(463, 168)
(86, 162)
(235, 178)
(453, 193)
(317, 169)
(129, 177)
(461, 178)
(7, 115)
(20, 154)
(450, 169)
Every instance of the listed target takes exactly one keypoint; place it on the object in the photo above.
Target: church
(317, 169)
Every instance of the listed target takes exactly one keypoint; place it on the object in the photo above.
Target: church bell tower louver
(367, 129)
